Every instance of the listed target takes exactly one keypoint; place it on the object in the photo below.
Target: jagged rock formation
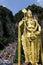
(7, 26)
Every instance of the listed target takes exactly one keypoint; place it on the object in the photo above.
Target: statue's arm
(20, 23)
(39, 28)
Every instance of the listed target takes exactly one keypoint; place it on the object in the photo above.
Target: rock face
(6, 23)
(7, 26)
(10, 28)
(1, 29)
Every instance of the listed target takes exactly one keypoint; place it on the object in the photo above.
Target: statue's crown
(29, 11)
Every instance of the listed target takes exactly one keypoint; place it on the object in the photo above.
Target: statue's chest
(30, 22)
(30, 19)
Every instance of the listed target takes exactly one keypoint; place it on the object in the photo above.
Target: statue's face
(30, 24)
(29, 13)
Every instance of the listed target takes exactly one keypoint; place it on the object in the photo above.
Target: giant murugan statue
(30, 39)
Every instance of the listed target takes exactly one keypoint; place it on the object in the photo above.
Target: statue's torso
(30, 41)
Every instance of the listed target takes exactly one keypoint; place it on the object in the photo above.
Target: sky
(17, 5)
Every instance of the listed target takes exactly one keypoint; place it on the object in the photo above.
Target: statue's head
(29, 13)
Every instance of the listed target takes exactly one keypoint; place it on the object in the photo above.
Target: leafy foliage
(6, 24)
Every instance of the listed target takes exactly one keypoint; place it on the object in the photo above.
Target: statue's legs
(31, 51)
(37, 49)
(28, 48)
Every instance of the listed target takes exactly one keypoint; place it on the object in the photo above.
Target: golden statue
(30, 39)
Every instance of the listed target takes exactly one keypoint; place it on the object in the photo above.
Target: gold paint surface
(30, 39)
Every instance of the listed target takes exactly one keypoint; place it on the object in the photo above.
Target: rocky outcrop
(7, 26)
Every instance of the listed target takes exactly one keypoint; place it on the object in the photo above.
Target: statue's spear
(24, 11)
(19, 38)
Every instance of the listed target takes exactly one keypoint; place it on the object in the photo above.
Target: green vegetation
(6, 24)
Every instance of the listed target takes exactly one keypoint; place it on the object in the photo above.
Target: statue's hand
(33, 36)
(37, 33)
